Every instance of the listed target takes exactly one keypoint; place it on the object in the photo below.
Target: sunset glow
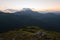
(39, 5)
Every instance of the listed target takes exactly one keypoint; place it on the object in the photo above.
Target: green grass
(28, 33)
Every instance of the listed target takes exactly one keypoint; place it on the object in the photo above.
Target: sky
(33, 4)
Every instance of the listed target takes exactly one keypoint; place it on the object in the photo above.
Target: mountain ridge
(26, 9)
(48, 21)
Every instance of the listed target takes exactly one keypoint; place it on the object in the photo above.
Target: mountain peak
(26, 9)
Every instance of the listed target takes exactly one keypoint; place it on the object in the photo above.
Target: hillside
(30, 33)
(48, 21)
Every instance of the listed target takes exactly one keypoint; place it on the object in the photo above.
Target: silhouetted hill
(10, 21)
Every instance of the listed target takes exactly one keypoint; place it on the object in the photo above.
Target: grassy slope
(29, 33)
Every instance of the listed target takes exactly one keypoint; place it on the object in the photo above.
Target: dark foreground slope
(10, 21)
(30, 33)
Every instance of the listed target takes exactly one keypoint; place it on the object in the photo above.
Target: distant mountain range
(12, 10)
(48, 21)
(24, 9)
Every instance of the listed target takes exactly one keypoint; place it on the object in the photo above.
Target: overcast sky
(37, 4)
